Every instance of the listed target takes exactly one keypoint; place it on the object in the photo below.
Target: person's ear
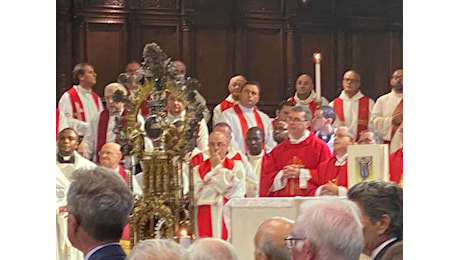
(72, 224)
(328, 120)
(309, 249)
(383, 224)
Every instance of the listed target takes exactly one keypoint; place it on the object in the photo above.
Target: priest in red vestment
(332, 176)
(289, 167)
(216, 180)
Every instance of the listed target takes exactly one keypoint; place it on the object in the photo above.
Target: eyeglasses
(397, 77)
(290, 241)
(351, 80)
(295, 120)
(219, 144)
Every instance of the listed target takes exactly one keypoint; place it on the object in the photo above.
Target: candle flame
(317, 57)
(183, 232)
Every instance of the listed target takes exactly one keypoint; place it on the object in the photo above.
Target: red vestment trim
(398, 110)
(204, 218)
(224, 105)
(102, 131)
(363, 113)
(244, 123)
(75, 99)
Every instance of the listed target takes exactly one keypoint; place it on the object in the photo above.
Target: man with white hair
(329, 228)
(212, 249)
(100, 130)
(157, 249)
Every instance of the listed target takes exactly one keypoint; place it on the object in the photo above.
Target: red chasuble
(77, 106)
(204, 217)
(308, 154)
(396, 166)
(328, 171)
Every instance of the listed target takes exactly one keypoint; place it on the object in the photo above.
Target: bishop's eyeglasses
(290, 241)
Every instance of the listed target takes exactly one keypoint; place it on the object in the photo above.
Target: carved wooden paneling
(370, 58)
(270, 41)
(263, 6)
(158, 4)
(323, 43)
(165, 36)
(265, 64)
(212, 64)
(105, 3)
(106, 51)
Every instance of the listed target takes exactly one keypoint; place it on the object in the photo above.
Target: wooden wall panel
(370, 58)
(264, 63)
(106, 51)
(212, 64)
(165, 36)
(323, 43)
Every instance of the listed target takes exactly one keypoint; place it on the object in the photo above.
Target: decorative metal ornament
(163, 209)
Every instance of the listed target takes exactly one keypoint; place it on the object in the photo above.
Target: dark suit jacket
(110, 252)
(391, 251)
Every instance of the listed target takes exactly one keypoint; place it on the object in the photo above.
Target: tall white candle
(317, 59)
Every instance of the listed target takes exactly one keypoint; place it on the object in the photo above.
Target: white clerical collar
(231, 99)
(377, 250)
(309, 99)
(396, 94)
(292, 140)
(83, 90)
(356, 96)
(341, 160)
(246, 109)
(257, 156)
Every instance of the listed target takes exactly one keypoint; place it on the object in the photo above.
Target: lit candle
(317, 58)
(184, 239)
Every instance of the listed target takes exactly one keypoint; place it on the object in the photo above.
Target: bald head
(269, 239)
(110, 155)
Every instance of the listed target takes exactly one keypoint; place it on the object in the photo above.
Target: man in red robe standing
(291, 164)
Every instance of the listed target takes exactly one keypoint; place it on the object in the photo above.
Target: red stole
(75, 99)
(204, 217)
(396, 166)
(124, 175)
(398, 110)
(102, 130)
(224, 105)
(363, 113)
(57, 122)
(312, 105)
(244, 123)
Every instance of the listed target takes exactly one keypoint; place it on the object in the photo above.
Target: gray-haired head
(101, 202)
(329, 228)
(157, 249)
(211, 249)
